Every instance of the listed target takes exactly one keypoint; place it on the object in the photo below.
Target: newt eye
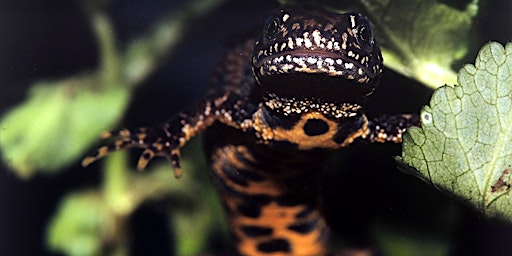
(365, 35)
(271, 27)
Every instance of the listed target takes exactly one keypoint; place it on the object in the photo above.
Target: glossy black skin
(279, 104)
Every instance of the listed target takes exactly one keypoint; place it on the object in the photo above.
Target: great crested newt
(280, 103)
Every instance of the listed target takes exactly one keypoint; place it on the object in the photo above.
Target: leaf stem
(115, 184)
(108, 52)
(117, 199)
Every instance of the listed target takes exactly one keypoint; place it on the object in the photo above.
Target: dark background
(52, 40)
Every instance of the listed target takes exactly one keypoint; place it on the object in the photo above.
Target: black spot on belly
(287, 200)
(255, 199)
(250, 211)
(304, 213)
(253, 176)
(305, 227)
(275, 245)
(315, 127)
(234, 175)
(255, 231)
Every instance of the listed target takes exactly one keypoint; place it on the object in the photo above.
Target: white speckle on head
(307, 43)
(286, 16)
(317, 37)
(336, 46)
(285, 68)
(290, 43)
(339, 61)
(300, 62)
(319, 64)
(311, 60)
(344, 37)
(299, 41)
(349, 65)
(329, 45)
(353, 21)
(283, 46)
(363, 80)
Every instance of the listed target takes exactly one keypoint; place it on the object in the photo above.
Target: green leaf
(464, 144)
(80, 225)
(57, 122)
(420, 39)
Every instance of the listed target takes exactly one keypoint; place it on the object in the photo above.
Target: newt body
(279, 104)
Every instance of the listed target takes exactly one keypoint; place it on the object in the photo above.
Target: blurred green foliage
(61, 119)
(393, 241)
(81, 224)
(58, 121)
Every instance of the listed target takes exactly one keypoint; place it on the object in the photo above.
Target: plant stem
(108, 52)
(118, 199)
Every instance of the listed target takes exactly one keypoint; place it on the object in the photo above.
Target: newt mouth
(316, 62)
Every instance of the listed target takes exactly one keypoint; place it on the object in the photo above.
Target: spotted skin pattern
(279, 104)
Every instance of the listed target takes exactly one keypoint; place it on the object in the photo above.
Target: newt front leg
(167, 139)
(390, 128)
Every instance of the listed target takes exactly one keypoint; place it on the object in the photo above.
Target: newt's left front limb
(162, 140)
(167, 139)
